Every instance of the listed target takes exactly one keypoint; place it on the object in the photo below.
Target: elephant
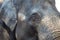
(43, 16)
(30, 19)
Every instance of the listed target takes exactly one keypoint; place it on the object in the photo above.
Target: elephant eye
(35, 18)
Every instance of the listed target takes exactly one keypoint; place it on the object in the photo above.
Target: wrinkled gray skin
(9, 15)
(46, 20)
(42, 20)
